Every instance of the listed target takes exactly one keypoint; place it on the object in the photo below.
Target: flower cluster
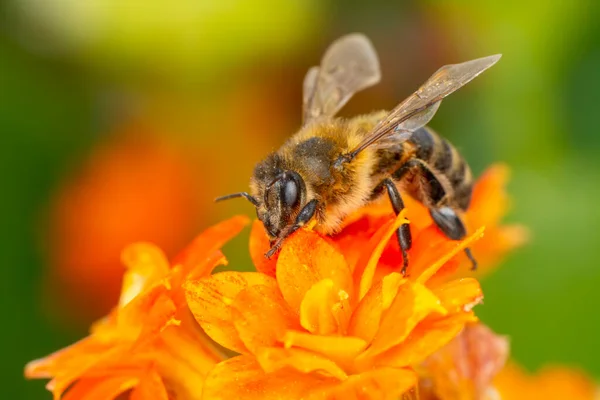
(329, 317)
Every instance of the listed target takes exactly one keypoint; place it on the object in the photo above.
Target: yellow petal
(426, 338)
(210, 301)
(146, 265)
(273, 359)
(365, 269)
(242, 377)
(340, 349)
(459, 295)
(365, 319)
(306, 259)
(323, 310)
(261, 316)
(412, 304)
(376, 384)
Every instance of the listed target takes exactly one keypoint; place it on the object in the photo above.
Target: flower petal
(459, 295)
(210, 301)
(412, 304)
(209, 241)
(146, 266)
(366, 266)
(376, 384)
(365, 319)
(427, 337)
(306, 259)
(323, 310)
(242, 377)
(273, 359)
(259, 245)
(341, 349)
(150, 386)
(261, 316)
(428, 263)
(104, 388)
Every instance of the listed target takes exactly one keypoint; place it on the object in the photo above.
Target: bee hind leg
(403, 233)
(452, 226)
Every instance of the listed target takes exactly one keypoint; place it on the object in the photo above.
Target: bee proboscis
(332, 166)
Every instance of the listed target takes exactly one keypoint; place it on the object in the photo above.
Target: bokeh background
(121, 120)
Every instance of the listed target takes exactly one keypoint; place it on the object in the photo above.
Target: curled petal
(365, 269)
(273, 359)
(323, 310)
(210, 301)
(341, 349)
(150, 386)
(259, 245)
(376, 384)
(365, 319)
(428, 337)
(306, 259)
(412, 303)
(205, 244)
(146, 265)
(459, 295)
(101, 388)
(261, 316)
(242, 377)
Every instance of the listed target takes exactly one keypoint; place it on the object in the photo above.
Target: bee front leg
(305, 215)
(452, 226)
(403, 233)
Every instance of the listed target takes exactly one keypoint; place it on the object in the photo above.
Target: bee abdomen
(445, 160)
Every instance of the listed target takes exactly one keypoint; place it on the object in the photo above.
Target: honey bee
(332, 166)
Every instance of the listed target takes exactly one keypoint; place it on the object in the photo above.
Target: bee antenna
(236, 195)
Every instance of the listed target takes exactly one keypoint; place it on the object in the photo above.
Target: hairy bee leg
(403, 233)
(452, 226)
(305, 215)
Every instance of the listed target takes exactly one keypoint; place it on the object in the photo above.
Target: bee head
(283, 198)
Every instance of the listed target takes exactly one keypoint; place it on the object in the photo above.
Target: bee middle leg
(403, 232)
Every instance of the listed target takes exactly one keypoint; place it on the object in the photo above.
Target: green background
(537, 110)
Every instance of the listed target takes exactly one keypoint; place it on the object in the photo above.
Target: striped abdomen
(446, 164)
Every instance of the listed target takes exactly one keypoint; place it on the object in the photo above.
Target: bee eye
(289, 193)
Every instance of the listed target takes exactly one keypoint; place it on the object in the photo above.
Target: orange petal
(146, 266)
(489, 202)
(376, 384)
(365, 268)
(365, 319)
(426, 338)
(341, 349)
(459, 295)
(106, 388)
(259, 245)
(261, 316)
(273, 359)
(323, 310)
(210, 301)
(209, 241)
(151, 386)
(306, 259)
(242, 377)
(412, 304)
(428, 264)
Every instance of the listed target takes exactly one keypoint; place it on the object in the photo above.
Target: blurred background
(120, 121)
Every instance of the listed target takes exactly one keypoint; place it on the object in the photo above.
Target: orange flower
(319, 326)
(149, 344)
(551, 383)
(465, 368)
(488, 205)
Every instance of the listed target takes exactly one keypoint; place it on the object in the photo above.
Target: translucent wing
(418, 109)
(349, 65)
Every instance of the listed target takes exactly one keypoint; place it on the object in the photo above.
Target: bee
(332, 166)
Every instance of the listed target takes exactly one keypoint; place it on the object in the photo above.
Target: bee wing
(349, 65)
(418, 109)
